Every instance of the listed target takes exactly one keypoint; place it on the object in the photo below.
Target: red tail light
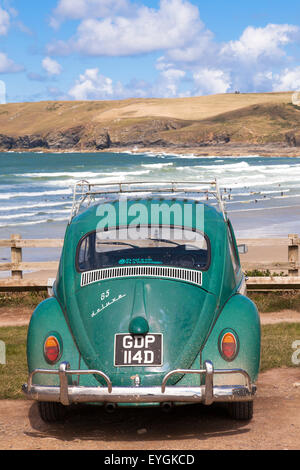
(229, 346)
(52, 349)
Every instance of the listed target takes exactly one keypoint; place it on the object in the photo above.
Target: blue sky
(115, 49)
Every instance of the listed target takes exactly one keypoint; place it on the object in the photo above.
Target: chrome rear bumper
(206, 394)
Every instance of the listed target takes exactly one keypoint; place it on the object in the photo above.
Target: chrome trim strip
(209, 383)
(64, 396)
(226, 393)
(66, 370)
(206, 394)
(191, 276)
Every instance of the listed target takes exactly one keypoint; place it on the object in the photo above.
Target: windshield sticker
(132, 261)
(108, 304)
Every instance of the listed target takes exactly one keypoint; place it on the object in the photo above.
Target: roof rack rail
(85, 193)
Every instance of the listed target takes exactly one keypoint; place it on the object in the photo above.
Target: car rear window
(155, 246)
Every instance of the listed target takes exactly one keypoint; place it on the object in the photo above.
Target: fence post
(16, 257)
(293, 254)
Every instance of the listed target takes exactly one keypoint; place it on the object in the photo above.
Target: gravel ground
(276, 424)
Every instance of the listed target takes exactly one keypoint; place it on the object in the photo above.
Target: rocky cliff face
(23, 142)
(150, 133)
(293, 139)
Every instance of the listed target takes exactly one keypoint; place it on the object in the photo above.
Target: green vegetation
(22, 299)
(276, 352)
(276, 348)
(14, 373)
(267, 302)
(265, 273)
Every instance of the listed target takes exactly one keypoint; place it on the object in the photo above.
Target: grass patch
(276, 345)
(276, 301)
(22, 299)
(276, 352)
(264, 273)
(14, 373)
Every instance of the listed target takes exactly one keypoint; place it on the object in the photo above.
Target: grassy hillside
(33, 118)
(207, 120)
(261, 124)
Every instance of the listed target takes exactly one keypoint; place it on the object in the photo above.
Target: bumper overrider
(207, 394)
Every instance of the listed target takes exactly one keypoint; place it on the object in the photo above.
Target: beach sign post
(2, 353)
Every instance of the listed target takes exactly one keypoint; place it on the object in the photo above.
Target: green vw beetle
(149, 307)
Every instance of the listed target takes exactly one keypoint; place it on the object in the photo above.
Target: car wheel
(242, 411)
(51, 412)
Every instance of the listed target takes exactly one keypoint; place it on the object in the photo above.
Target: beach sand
(231, 150)
(41, 275)
(265, 254)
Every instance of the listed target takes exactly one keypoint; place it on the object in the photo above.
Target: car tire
(52, 412)
(241, 411)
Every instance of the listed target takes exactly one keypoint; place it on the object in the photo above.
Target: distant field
(197, 108)
(29, 118)
(247, 119)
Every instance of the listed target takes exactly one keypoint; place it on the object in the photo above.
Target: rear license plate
(138, 351)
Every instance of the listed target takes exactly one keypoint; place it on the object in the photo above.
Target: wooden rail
(273, 283)
(17, 266)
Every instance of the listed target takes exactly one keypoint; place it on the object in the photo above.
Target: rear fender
(240, 315)
(48, 319)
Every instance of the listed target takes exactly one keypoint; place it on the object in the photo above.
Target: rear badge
(109, 301)
(138, 351)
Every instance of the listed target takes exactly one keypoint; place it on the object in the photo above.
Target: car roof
(86, 216)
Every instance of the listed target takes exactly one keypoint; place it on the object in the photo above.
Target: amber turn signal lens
(52, 349)
(229, 346)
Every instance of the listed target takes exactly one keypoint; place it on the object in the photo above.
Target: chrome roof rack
(85, 193)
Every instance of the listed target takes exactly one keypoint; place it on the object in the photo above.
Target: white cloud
(202, 49)
(174, 25)
(8, 66)
(8, 18)
(51, 66)
(168, 83)
(287, 80)
(91, 85)
(192, 61)
(245, 64)
(4, 21)
(211, 81)
(81, 9)
(260, 43)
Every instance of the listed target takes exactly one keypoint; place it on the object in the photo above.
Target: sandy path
(284, 316)
(15, 316)
(276, 424)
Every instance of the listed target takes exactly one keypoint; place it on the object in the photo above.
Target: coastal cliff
(228, 122)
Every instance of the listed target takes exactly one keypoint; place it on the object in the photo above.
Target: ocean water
(263, 193)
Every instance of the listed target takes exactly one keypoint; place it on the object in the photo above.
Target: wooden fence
(16, 266)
